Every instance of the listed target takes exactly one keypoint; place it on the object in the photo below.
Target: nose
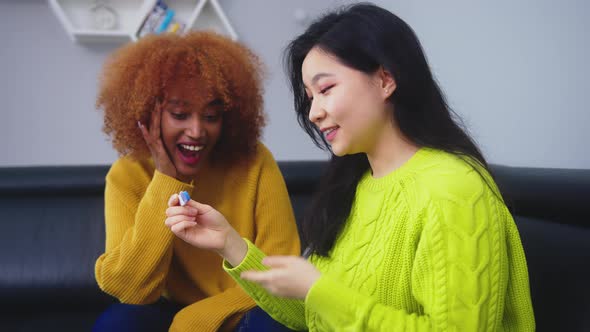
(316, 112)
(194, 128)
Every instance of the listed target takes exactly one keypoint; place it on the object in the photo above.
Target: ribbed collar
(368, 182)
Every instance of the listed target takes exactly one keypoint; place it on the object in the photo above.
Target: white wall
(515, 70)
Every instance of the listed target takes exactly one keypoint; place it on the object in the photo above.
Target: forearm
(288, 312)
(213, 313)
(139, 245)
(134, 275)
(235, 248)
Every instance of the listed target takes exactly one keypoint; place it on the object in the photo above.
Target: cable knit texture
(428, 247)
(143, 259)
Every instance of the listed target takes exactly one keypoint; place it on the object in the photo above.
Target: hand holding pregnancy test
(204, 227)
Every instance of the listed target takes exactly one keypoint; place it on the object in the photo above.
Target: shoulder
(260, 165)
(262, 159)
(459, 192)
(448, 177)
(264, 154)
(126, 171)
(267, 172)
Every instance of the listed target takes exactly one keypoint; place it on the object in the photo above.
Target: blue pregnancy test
(183, 198)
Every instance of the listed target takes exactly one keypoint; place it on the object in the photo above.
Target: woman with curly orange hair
(185, 113)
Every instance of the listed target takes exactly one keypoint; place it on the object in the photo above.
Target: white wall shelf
(76, 16)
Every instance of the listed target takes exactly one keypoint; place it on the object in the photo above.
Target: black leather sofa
(52, 231)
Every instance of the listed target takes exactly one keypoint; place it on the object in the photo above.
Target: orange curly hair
(135, 76)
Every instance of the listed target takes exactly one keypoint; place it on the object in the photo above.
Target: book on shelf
(161, 19)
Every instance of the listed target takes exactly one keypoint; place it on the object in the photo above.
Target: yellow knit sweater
(143, 260)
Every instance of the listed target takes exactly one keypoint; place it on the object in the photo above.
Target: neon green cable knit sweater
(428, 247)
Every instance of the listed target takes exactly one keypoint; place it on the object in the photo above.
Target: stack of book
(160, 20)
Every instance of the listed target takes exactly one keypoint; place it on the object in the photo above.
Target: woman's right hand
(204, 227)
(153, 139)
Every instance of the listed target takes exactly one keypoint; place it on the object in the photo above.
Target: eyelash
(179, 116)
(211, 118)
(323, 91)
(326, 89)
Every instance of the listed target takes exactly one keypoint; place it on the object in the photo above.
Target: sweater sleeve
(138, 244)
(288, 312)
(458, 277)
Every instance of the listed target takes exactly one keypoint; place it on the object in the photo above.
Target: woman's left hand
(289, 276)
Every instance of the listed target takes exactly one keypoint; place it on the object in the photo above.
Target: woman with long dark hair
(408, 230)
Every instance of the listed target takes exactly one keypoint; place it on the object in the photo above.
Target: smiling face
(347, 105)
(192, 120)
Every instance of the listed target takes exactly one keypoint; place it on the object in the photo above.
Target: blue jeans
(158, 316)
(155, 317)
(258, 320)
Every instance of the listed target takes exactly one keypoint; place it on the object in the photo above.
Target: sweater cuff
(252, 261)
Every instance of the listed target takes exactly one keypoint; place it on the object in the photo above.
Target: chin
(186, 171)
(189, 171)
(338, 154)
(338, 151)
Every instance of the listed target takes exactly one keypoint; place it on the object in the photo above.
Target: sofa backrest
(551, 208)
(52, 233)
(53, 230)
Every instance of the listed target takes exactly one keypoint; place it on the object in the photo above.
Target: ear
(387, 82)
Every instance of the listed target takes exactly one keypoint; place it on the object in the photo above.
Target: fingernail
(138, 124)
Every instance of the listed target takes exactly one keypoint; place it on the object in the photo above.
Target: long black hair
(366, 38)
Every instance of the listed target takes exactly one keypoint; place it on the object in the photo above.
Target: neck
(391, 150)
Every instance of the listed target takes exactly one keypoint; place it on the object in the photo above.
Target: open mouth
(190, 153)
